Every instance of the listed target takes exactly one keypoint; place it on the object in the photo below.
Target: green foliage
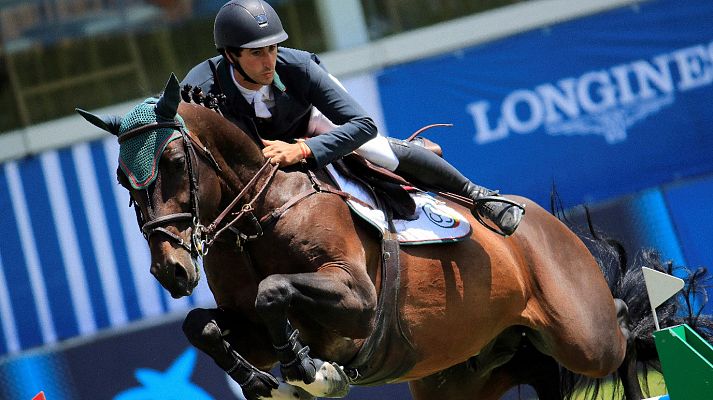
(657, 387)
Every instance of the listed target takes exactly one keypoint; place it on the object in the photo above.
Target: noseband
(202, 237)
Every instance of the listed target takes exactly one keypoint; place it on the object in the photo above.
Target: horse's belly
(452, 308)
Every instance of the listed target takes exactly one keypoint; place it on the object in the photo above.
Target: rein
(270, 217)
(212, 232)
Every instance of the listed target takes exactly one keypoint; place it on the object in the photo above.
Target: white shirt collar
(261, 99)
(250, 94)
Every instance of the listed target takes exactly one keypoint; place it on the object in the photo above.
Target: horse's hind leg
(529, 366)
(538, 370)
(627, 371)
(508, 361)
(462, 382)
(209, 331)
(584, 336)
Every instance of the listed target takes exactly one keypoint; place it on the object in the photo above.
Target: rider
(280, 95)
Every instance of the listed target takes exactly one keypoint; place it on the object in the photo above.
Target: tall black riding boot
(422, 166)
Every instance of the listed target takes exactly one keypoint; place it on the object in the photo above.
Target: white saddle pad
(435, 222)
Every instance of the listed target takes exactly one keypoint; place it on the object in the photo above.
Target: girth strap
(386, 353)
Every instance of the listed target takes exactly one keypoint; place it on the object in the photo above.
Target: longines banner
(599, 106)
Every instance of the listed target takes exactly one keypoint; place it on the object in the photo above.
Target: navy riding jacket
(300, 83)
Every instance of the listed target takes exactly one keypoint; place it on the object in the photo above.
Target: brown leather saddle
(390, 189)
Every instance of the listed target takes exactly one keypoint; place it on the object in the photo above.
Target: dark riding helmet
(247, 24)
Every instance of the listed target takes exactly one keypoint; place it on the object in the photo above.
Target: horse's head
(159, 166)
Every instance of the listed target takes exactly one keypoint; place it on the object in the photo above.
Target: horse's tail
(626, 282)
(678, 310)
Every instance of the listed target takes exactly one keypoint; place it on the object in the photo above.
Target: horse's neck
(284, 187)
(241, 163)
(224, 139)
(240, 159)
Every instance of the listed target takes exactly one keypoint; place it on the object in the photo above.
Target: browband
(150, 127)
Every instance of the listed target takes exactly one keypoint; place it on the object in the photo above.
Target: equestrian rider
(279, 95)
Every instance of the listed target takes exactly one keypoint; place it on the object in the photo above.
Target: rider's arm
(353, 126)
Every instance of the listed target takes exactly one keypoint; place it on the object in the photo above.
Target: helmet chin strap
(239, 68)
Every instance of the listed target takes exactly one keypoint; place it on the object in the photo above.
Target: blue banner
(73, 260)
(688, 204)
(600, 106)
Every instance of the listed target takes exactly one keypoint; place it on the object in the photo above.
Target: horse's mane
(211, 123)
(626, 282)
(228, 143)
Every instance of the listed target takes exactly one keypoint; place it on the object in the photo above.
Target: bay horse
(465, 320)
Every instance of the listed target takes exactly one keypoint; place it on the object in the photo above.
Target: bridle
(202, 237)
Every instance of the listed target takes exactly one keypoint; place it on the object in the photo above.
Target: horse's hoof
(330, 381)
(289, 392)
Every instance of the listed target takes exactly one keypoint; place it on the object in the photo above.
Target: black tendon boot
(295, 362)
(256, 384)
(202, 330)
(423, 166)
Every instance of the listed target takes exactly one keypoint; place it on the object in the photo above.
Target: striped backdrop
(72, 259)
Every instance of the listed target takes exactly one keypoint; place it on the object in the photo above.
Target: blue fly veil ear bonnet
(144, 132)
(139, 155)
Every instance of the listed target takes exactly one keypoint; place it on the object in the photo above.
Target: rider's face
(258, 64)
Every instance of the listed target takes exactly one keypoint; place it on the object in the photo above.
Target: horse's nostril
(180, 273)
(182, 286)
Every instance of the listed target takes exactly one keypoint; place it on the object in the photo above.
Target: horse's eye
(176, 162)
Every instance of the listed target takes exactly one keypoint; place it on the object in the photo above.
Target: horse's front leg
(216, 333)
(337, 299)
